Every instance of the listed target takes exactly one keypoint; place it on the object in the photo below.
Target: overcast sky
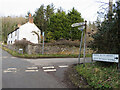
(87, 8)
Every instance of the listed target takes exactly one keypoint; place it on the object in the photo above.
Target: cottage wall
(25, 31)
(12, 37)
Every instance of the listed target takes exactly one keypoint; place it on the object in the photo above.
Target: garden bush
(22, 44)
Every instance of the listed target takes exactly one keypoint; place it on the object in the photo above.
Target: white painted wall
(12, 37)
(25, 31)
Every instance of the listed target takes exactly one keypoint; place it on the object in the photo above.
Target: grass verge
(73, 79)
(16, 54)
(100, 74)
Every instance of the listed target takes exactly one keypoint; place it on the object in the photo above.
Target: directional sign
(106, 57)
(78, 24)
(81, 28)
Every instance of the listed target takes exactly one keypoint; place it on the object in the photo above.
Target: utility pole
(85, 40)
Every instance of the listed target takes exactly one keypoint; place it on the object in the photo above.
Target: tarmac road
(34, 73)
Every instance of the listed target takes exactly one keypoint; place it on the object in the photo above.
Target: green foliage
(60, 25)
(49, 36)
(100, 74)
(39, 18)
(73, 17)
(42, 16)
(106, 39)
(57, 25)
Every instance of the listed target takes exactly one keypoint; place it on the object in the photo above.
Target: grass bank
(16, 54)
(100, 74)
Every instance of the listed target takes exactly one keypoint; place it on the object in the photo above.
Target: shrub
(22, 44)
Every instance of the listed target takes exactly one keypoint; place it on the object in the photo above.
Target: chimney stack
(18, 25)
(30, 18)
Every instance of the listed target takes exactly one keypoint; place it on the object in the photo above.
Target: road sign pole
(80, 48)
(85, 41)
(43, 44)
(83, 25)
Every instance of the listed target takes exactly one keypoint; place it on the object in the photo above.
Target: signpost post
(85, 40)
(83, 26)
(80, 48)
(43, 43)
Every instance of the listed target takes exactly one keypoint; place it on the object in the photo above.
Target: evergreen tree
(39, 18)
(42, 16)
(106, 39)
(58, 25)
(74, 17)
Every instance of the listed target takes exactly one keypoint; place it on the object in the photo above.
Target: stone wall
(51, 49)
(12, 47)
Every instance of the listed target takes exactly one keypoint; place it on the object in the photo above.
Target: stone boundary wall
(11, 47)
(48, 49)
(51, 49)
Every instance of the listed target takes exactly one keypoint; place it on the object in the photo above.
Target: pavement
(35, 73)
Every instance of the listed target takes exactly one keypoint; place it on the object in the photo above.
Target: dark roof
(13, 30)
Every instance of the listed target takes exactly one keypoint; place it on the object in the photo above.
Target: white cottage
(28, 31)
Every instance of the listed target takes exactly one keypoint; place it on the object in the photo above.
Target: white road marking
(32, 67)
(48, 67)
(12, 69)
(63, 66)
(31, 70)
(49, 70)
(5, 71)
